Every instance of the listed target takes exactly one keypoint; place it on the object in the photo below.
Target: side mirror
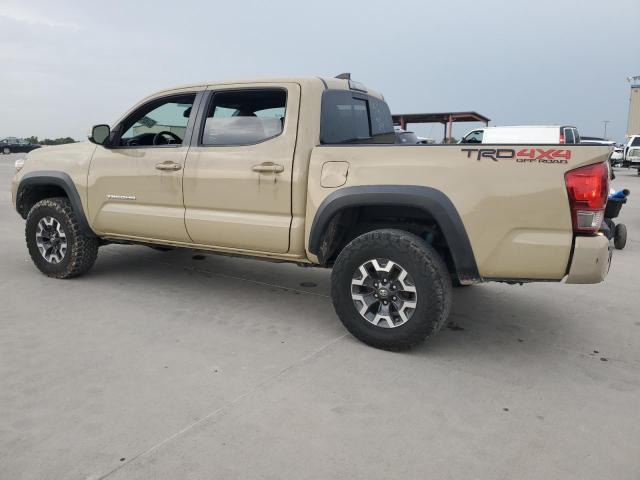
(99, 134)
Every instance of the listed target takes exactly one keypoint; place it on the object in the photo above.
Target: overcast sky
(66, 65)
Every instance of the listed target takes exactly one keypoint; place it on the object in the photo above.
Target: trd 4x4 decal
(524, 155)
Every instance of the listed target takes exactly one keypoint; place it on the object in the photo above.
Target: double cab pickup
(305, 170)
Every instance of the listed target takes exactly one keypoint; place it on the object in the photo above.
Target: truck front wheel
(391, 289)
(55, 241)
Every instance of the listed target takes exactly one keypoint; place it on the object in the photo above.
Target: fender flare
(431, 200)
(58, 179)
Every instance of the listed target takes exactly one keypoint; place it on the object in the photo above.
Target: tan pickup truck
(305, 170)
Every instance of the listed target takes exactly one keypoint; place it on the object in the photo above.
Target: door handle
(168, 166)
(268, 167)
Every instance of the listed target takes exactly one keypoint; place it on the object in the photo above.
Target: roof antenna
(344, 76)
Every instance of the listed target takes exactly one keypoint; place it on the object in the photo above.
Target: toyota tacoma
(305, 170)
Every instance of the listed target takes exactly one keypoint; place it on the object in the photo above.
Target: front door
(135, 185)
(237, 178)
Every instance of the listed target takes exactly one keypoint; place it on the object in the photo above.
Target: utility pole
(605, 128)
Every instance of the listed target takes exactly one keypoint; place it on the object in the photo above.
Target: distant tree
(32, 139)
(57, 141)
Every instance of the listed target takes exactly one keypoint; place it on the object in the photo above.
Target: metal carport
(445, 118)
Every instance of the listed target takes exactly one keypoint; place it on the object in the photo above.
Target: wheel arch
(432, 203)
(38, 185)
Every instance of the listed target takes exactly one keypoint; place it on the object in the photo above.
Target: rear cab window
(354, 117)
(568, 136)
(571, 135)
(576, 135)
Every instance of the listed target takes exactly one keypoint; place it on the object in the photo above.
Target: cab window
(244, 117)
(474, 137)
(349, 117)
(159, 123)
(568, 136)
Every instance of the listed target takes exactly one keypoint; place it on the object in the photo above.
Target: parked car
(526, 134)
(306, 170)
(633, 158)
(404, 137)
(16, 145)
(617, 152)
(617, 156)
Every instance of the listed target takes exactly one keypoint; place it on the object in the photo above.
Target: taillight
(588, 189)
(561, 137)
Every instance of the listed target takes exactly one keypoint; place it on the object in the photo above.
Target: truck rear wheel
(55, 241)
(391, 289)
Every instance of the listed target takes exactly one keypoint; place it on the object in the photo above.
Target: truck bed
(517, 190)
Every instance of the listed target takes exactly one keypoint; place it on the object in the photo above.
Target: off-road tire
(620, 236)
(82, 250)
(6, 151)
(421, 261)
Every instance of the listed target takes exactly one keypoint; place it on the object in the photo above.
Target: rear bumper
(591, 260)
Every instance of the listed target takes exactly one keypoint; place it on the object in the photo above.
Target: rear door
(237, 177)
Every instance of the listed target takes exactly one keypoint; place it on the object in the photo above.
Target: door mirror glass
(100, 134)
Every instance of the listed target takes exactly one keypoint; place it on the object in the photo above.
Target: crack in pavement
(225, 407)
(259, 386)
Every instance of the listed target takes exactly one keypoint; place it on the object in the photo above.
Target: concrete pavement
(159, 365)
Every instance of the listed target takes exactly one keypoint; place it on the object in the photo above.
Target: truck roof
(329, 82)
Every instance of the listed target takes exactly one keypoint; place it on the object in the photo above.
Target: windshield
(473, 137)
(407, 138)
